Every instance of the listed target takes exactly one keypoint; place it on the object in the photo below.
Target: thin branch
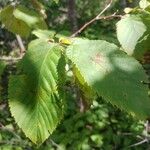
(94, 19)
(10, 59)
(110, 16)
(147, 127)
(139, 143)
(22, 51)
(107, 6)
(21, 45)
(4, 129)
(54, 144)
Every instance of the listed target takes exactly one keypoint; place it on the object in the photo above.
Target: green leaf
(97, 139)
(143, 43)
(13, 24)
(36, 95)
(129, 30)
(30, 17)
(112, 74)
(86, 91)
(142, 47)
(21, 20)
(44, 34)
(144, 4)
(56, 1)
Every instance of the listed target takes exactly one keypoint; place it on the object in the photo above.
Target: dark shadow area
(124, 85)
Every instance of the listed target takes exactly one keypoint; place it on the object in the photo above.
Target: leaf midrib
(39, 80)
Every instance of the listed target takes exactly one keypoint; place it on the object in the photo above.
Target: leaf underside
(129, 30)
(36, 96)
(144, 4)
(13, 24)
(112, 74)
(21, 20)
(44, 34)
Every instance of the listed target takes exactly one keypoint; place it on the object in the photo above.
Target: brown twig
(139, 143)
(98, 17)
(110, 16)
(54, 144)
(10, 59)
(21, 45)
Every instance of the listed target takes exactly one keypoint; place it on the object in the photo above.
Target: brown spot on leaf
(97, 58)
